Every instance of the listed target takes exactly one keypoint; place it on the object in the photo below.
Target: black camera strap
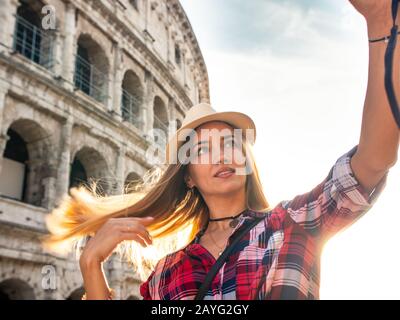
(240, 233)
(389, 60)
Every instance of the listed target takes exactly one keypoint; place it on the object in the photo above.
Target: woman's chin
(228, 187)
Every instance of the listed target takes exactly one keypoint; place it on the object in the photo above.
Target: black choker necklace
(234, 221)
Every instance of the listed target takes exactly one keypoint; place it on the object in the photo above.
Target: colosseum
(82, 85)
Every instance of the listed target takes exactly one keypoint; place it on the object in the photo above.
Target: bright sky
(299, 69)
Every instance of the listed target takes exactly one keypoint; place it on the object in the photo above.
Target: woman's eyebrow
(205, 141)
(200, 142)
(230, 136)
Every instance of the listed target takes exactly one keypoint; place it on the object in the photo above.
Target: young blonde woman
(175, 227)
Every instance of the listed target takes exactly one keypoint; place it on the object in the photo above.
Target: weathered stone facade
(77, 102)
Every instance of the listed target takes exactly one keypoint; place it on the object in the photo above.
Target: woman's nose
(221, 156)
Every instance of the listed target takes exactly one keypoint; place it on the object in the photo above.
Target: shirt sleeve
(334, 204)
(144, 288)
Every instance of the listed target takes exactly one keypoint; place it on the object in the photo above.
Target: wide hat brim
(236, 119)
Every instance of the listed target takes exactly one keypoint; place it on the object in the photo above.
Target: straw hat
(202, 113)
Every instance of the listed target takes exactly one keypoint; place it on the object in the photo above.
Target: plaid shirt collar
(193, 247)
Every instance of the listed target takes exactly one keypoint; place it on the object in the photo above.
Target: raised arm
(359, 176)
(379, 138)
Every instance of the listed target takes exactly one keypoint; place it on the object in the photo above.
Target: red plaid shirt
(280, 257)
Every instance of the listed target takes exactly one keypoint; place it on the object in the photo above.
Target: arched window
(131, 181)
(178, 124)
(134, 4)
(26, 163)
(16, 289)
(76, 294)
(13, 175)
(30, 39)
(178, 56)
(131, 100)
(160, 121)
(91, 69)
(78, 174)
(90, 167)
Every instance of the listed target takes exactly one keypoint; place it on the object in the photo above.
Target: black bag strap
(221, 259)
(389, 57)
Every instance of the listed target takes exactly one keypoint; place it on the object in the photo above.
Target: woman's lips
(225, 174)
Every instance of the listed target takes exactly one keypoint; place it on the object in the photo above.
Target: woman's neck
(221, 207)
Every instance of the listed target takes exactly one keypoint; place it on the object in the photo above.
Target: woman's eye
(201, 150)
(230, 143)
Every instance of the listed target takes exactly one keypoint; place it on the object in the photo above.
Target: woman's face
(215, 151)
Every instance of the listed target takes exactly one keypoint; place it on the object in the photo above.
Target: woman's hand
(378, 14)
(111, 233)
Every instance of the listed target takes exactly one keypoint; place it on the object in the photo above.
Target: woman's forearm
(94, 280)
(379, 139)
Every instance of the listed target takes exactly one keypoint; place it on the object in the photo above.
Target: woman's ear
(188, 181)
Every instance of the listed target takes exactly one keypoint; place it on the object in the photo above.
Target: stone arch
(16, 289)
(178, 123)
(30, 11)
(91, 68)
(28, 163)
(130, 289)
(88, 165)
(76, 294)
(160, 119)
(131, 181)
(132, 98)
(178, 54)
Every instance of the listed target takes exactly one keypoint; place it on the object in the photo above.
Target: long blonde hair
(163, 194)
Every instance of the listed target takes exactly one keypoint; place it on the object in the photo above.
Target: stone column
(171, 117)
(183, 51)
(69, 52)
(58, 53)
(147, 109)
(169, 27)
(3, 95)
(117, 82)
(63, 173)
(3, 141)
(33, 193)
(114, 272)
(146, 14)
(120, 170)
(49, 185)
(7, 17)
(171, 62)
(3, 135)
